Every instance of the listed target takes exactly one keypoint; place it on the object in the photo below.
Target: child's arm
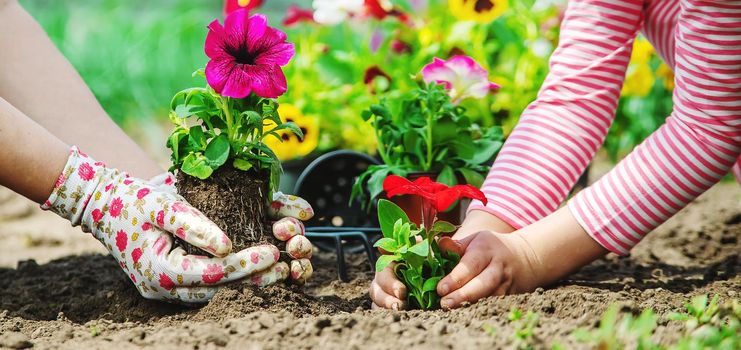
(695, 148)
(559, 133)
(38, 80)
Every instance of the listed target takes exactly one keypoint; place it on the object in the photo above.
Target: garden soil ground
(73, 296)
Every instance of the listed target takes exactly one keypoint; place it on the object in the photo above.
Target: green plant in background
(426, 132)
(524, 337)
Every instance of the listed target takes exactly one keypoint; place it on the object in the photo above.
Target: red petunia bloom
(381, 9)
(233, 5)
(370, 76)
(213, 273)
(296, 15)
(440, 196)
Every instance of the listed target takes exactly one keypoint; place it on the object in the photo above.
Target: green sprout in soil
(707, 325)
(524, 337)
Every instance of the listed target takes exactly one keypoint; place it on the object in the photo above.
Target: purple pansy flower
(246, 56)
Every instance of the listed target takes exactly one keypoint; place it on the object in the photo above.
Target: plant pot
(412, 205)
(234, 200)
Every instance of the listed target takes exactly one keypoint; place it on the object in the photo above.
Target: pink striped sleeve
(559, 133)
(697, 146)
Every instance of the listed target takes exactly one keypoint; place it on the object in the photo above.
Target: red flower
(400, 47)
(233, 5)
(371, 74)
(213, 273)
(86, 172)
(381, 9)
(180, 232)
(296, 15)
(166, 282)
(136, 254)
(440, 196)
(116, 206)
(121, 240)
(133, 278)
(142, 193)
(97, 215)
(276, 205)
(146, 226)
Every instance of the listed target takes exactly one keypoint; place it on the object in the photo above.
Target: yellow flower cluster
(291, 146)
(640, 78)
(482, 11)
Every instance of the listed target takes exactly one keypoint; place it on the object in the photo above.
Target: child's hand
(491, 264)
(386, 291)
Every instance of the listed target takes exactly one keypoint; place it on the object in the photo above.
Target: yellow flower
(642, 51)
(667, 75)
(482, 11)
(291, 147)
(639, 81)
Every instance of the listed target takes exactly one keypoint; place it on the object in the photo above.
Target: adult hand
(135, 220)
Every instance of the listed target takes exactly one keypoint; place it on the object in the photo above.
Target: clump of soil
(234, 200)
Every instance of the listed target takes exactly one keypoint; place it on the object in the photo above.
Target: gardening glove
(290, 212)
(135, 220)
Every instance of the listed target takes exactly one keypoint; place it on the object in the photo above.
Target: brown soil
(235, 200)
(86, 302)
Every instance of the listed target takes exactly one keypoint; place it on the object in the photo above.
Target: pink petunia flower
(166, 282)
(121, 240)
(116, 206)
(213, 273)
(463, 76)
(86, 172)
(246, 56)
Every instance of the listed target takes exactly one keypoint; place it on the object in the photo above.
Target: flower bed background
(132, 55)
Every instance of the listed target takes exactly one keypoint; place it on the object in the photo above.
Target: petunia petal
(218, 71)
(267, 81)
(239, 83)
(214, 46)
(279, 54)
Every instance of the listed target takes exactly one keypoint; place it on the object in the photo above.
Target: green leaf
(196, 139)
(380, 110)
(447, 176)
(472, 177)
(195, 164)
(485, 151)
(421, 248)
(293, 128)
(242, 164)
(375, 182)
(443, 227)
(431, 284)
(387, 244)
(388, 214)
(217, 151)
(385, 260)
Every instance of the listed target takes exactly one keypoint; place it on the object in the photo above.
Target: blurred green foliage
(135, 55)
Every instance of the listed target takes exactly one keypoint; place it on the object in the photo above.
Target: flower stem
(428, 164)
(229, 118)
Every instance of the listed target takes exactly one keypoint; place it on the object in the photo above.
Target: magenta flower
(463, 76)
(246, 55)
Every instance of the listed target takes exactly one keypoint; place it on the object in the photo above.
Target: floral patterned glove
(134, 219)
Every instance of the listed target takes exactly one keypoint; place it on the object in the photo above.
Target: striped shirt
(560, 132)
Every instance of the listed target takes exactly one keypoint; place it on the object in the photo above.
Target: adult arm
(38, 80)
